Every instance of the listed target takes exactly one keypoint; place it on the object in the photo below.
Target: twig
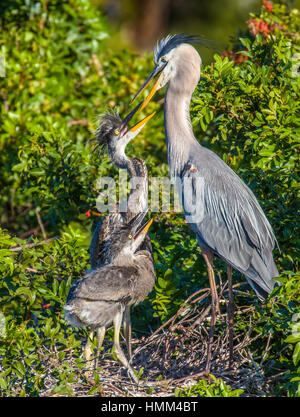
(277, 376)
(266, 349)
(32, 245)
(37, 213)
(166, 381)
(82, 122)
(173, 318)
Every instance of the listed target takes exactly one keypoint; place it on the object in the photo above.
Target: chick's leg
(87, 348)
(119, 353)
(127, 330)
(100, 337)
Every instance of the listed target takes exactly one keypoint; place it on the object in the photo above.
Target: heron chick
(102, 295)
(114, 135)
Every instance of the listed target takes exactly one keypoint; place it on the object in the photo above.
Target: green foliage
(217, 388)
(280, 320)
(59, 77)
(33, 292)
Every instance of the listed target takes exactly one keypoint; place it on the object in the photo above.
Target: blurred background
(138, 24)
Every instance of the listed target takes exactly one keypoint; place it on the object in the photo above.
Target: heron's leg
(127, 330)
(118, 350)
(230, 313)
(87, 348)
(208, 257)
(100, 337)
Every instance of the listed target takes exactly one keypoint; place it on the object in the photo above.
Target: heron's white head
(176, 60)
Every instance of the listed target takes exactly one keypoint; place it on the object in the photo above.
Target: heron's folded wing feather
(226, 216)
(111, 283)
(104, 228)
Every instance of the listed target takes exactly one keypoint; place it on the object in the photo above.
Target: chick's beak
(126, 121)
(142, 123)
(144, 229)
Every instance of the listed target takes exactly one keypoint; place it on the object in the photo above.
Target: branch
(37, 213)
(32, 245)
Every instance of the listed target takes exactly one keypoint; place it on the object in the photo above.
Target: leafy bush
(59, 77)
(217, 388)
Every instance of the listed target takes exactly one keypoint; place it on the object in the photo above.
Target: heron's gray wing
(228, 220)
(103, 230)
(108, 283)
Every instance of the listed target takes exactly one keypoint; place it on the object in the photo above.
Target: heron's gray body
(106, 291)
(105, 294)
(232, 224)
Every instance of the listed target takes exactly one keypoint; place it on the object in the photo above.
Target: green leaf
(293, 338)
(296, 354)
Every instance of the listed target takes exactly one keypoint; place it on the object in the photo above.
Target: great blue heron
(113, 133)
(103, 294)
(231, 223)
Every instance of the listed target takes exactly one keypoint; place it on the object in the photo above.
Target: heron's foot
(132, 374)
(122, 358)
(87, 352)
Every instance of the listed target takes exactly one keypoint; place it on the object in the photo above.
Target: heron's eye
(117, 132)
(130, 236)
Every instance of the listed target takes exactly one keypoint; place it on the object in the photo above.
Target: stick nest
(174, 356)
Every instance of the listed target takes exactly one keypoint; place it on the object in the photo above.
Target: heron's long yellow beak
(144, 229)
(151, 94)
(153, 74)
(142, 122)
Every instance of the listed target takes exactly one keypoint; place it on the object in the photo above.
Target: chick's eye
(163, 59)
(117, 132)
(130, 236)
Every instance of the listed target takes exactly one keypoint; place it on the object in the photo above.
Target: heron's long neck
(137, 201)
(138, 198)
(178, 127)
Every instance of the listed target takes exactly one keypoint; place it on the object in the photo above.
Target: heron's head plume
(170, 42)
(108, 130)
(113, 132)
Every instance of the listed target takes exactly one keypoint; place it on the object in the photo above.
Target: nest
(174, 356)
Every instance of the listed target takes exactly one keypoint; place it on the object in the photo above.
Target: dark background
(138, 24)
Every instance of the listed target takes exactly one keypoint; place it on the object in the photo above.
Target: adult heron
(226, 217)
